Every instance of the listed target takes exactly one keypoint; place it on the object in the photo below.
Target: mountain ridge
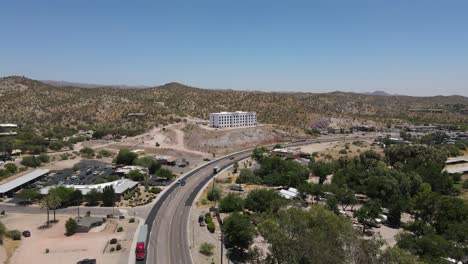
(31, 102)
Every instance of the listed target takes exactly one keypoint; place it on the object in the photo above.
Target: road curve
(168, 219)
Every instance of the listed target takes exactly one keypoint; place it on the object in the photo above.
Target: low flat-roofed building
(285, 153)
(167, 160)
(86, 223)
(120, 187)
(125, 170)
(457, 169)
(10, 187)
(8, 126)
(290, 193)
(457, 160)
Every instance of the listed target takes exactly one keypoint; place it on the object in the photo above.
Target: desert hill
(35, 103)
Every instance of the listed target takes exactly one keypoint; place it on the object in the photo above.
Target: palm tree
(55, 202)
(45, 205)
(50, 202)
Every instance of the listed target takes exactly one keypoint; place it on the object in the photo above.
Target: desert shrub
(120, 229)
(14, 234)
(131, 220)
(118, 247)
(113, 241)
(206, 249)
(155, 190)
(343, 151)
(211, 227)
(112, 249)
(71, 226)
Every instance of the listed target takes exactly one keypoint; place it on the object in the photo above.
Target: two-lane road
(168, 242)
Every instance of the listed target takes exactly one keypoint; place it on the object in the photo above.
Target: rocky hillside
(27, 101)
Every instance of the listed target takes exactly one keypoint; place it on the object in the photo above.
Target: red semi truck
(140, 251)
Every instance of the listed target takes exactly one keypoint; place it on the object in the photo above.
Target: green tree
(108, 196)
(50, 202)
(54, 202)
(71, 226)
(264, 200)
(367, 213)
(346, 197)
(148, 162)
(11, 168)
(125, 157)
(247, 176)
(275, 171)
(316, 235)
(63, 193)
(231, 203)
(30, 161)
(2, 231)
(238, 232)
(135, 175)
(87, 152)
(396, 255)
(44, 158)
(93, 197)
(322, 169)
(259, 153)
(214, 194)
(75, 198)
(236, 167)
(165, 173)
(28, 194)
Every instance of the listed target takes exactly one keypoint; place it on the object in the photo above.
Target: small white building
(233, 119)
(290, 193)
(125, 170)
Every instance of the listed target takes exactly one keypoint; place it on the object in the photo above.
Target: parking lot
(84, 173)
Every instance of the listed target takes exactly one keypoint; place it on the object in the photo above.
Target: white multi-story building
(233, 119)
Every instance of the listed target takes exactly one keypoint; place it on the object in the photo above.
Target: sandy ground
(71, 249)
(3, 254)
(169, 137)
(224, 141)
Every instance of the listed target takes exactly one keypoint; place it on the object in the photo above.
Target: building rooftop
(289, 193)
(8, 125)
(89, 221)
(457, 169)
(230, 113)
(127, 169)
(120, 186)
(8, 186)
(456, 160)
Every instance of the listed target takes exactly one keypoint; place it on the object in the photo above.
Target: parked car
(87, 261)
(26, 233)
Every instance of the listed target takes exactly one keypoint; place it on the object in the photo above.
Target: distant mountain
(379, 93)
(91, 85)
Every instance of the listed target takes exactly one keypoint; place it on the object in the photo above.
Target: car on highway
(182, 183)
(179, 181)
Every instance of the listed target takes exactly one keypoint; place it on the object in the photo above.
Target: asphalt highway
(168, 241)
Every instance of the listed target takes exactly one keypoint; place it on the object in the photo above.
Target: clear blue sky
(410, 47)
